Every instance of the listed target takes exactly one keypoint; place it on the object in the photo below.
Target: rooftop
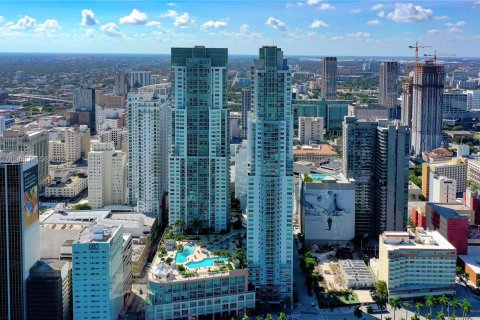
(473, 261)
(321, 149)
(449, 211)
(96, 234)
(325, 178)
(423, 240)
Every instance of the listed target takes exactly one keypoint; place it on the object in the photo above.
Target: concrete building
(332, 112)
(381, 175)
(107, 176)
(405, 264)
(326, 208)
(199, 166)
(108, 100)
(442, 189)
(65, 185)
(119, 137)
(149, 134)
(270, 179)
(407, 102)
(98, 283)
(387, 84)
(66, 145)
(369, 111)
(454, 102)
(455, 169)
(120, 88)
(310, 130)
(428, 84)
(49, 290)
(110, 117)
(473, 99)
(139, 79)
(241, 174)
(328, 70)
(19, 190)
(473, 171)
(318, 154)
(32, 142)
(84, 106)
(355, 274)
(437, 155)
(235, 125)
(210, 287)
(247, 103)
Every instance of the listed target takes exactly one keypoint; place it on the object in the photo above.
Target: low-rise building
(318, 154)
(356, 274)
(416, 265)
(443, 189)
(437, 155)
(66, 185)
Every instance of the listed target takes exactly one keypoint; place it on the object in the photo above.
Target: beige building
(473, 171)
(415, 265)
(310, 130)
(69, 144)
(454, 169)
(33, 142)
(443, 189)
(109, 100)
(318, 154)
(66, 185)
(119, 137)
(107, 175)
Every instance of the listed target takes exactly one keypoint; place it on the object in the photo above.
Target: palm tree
(419, 307)
(269, 317)
(428, 316)
(282, 316)
(453, 317)
(245, 317)
(197, 224)
(406, 305)
(466, 277)
(440, 315)
(458, 271)
(443, 300)
(388, 318)
(395, 304)
(415, 317)
(357, 313)
(430, 302)
(466, 307)
(455, 305)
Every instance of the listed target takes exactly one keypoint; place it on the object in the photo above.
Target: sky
(301, 27)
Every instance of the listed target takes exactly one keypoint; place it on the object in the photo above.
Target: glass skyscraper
(199, 168)
(270, 178)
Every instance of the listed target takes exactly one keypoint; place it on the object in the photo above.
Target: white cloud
(89, 33)
(356, 10)
(276, 24)
(318, 24)
(152, 23)
(25, 23)
(181, 21)
(359, 35)
(171, 4)
(214, 24)
(454, 30)
(381, 14)
(326, 6)
(456, 24)
(408, 12)
(244, 33)
(433, 31)
(88, 18)
(313, 2)
(378, 6)
(111, 29)
(294, 4)
(374, 23)
(49, 26)
(135, 17)
(440, 17)
(1, 19)
(477, 2)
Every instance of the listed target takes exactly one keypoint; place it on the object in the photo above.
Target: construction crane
(416, 46)
(438, 54)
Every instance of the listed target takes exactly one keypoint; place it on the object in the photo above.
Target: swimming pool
(181, 257)
(208, 262)
(319, 176)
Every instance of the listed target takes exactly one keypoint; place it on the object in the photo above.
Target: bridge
(44, 100)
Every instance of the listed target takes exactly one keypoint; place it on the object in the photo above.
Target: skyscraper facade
(428, 84)
(247, 102)
(84, 105)
(139, 79)
(120, 85)
(329, 78)
(387, 91)
(199, 167)
(149, 130)
(20, 230)
(270, 178)
(407, 102)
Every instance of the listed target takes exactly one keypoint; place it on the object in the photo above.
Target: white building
(98, 282)
(149, 130)
(65, 185)
(109, 117)
(443, 189)
(140, 78)
(310, 130)
(270, 178)
(241, 176)
(235, 124)
(66, 147)
(107, 175)
(119, 137)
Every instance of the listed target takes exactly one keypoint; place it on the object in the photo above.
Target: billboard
(329, 215)
(30, 196)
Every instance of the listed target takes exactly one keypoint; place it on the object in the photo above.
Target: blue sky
(309, 27)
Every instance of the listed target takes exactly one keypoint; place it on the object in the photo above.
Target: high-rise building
(454, 103)
(270, 178)
(149, 130)
(32, 142)
(387, 84)
(375, 155)
(329, 78)
(107, 176)
(199, 168)
(455, 169)
(98, 282)
(428, 84)
(407, 102)
(49, 290)
(20, 230)
(120, 84)
(66, 147)
(247, 102)
(310, 130)
(443, 189)
(84, 106)
(20, 75)
(139, 79)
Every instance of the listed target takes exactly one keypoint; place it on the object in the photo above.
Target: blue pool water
(181, 256)
(319, 176)
(208, 262)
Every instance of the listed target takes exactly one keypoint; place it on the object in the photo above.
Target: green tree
(407, 306)
(269, 317)
(455, 305)
(382, 293)
(430, 302)
(82, 206)
(419, 307)
(282, 316)
(197, 224)
(395, 304)
(440, 315)
(428, 316)
(357, 313)
(245, 317)
(415, 317)
(466, 307)
(458, 270)
(443, 301)
(259, 318)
